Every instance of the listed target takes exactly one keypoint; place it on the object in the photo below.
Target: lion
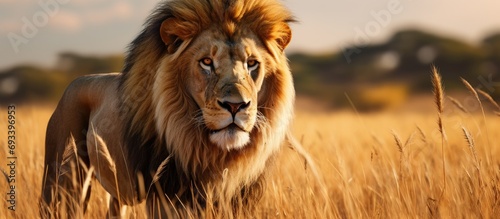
(203, 103)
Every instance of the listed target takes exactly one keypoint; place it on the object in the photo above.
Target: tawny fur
(164, 105)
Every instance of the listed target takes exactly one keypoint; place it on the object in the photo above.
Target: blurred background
(374, 54)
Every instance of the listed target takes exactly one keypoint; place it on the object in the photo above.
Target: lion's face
(226, 76)
(222, 77)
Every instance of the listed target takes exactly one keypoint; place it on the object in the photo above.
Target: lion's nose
(233, 108)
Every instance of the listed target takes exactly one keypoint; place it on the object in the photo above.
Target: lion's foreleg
(66, 163)
(66, 189)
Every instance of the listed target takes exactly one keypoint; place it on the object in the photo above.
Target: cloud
(77, 19)
(83, 3)
(8, 2)
(117, 11)
(8, 26)
(66, 21)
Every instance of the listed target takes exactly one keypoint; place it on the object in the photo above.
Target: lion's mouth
(231, 128)
(231, 137)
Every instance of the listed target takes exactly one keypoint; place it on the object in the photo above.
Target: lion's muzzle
(234, 117)
(233, 108)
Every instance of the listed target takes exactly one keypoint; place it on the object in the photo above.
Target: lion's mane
(159, 111)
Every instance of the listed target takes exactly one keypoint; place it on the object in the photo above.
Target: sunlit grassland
(373, 165)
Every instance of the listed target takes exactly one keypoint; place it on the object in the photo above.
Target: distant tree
(492, 46)
(491, 67)
(76, 64)
(405, 58)
(28, 83)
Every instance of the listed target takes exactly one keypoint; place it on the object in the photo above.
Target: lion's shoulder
(91, 89)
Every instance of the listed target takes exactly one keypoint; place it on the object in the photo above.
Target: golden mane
(154, 135)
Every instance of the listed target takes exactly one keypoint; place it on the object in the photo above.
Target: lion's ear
(282, 34)
(174, 31)
(286, 36)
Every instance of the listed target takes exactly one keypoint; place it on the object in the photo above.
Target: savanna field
(372, 165)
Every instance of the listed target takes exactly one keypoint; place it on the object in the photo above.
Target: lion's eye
(207, 64)
(252, 65)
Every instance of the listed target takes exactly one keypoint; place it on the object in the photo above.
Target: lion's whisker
(265, 108)
(261, 123)
(197, 118)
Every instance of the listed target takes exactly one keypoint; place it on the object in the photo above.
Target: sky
(35, 31)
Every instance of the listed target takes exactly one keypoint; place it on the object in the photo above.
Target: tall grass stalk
(489, 98)
(476, 96)
(439, 101)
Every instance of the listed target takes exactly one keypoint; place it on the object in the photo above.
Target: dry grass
(380, 165)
